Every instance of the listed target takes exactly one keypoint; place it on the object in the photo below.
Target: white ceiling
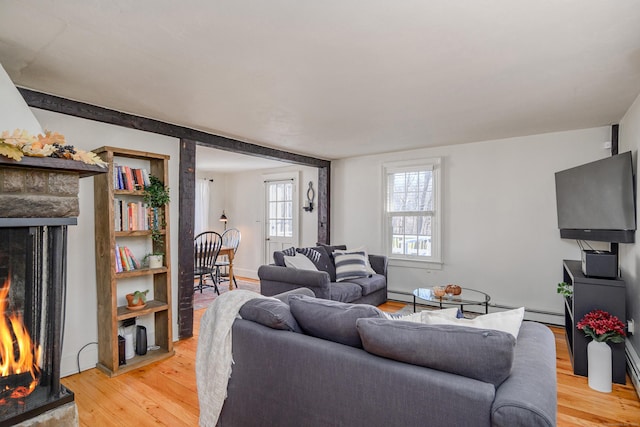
(220, 161)
(335, 79)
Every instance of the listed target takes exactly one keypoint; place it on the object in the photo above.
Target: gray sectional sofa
(277, 278)
(302, 363)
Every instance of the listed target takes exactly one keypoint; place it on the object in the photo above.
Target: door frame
(281, 177)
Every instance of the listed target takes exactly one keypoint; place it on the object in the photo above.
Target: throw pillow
(485, 355)
(310, 253)
(350, 265)
(278, 256)
(299, 263)
(270, 312)
(331, 320)
(507, 321)
(289, 251)
(449, 313)
(323, 262)
(370, 270)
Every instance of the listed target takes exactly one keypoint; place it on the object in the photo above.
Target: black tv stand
(590, 293)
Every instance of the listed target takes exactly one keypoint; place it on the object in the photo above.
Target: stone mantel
(41, 187)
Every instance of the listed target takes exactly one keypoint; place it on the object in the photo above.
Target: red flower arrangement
(602, 326)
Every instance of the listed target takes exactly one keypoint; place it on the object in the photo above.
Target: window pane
(397, 225)
(397, 246)
(288, 228)
(410, 225)
(412, 181)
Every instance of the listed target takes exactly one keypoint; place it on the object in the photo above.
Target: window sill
(415, 263)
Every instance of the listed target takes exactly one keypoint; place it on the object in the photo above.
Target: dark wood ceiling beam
(105, 115)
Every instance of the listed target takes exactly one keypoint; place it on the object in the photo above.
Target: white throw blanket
(213, 357)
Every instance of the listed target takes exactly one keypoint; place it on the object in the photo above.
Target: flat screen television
(596, 201)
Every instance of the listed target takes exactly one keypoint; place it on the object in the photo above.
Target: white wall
(81, 310)
(629, 140)
(14, 111)
(500, 230)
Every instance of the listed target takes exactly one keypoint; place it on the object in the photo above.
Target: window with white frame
(280, 208)
(412, 210)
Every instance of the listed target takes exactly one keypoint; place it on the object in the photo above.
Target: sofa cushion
(299, 263)
(284, 296)
(371, 284)
(350, 265)
(331, 248)
(345, 291)
(370, 270)
(506, 321)
(331, 320)
(270, 312)
(278, 258)
(320, 259)
(482, 354)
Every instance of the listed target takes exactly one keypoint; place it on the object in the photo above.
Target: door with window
(281, 222)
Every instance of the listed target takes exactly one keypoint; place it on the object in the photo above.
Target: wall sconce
(223, 218)
(311, 195)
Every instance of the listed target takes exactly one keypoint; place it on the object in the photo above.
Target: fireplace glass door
(32, 280)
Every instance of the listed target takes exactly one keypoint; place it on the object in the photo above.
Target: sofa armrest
(275, 279)
(379, 264)
(529, 395)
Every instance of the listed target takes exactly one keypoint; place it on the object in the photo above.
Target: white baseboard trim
(633, 365)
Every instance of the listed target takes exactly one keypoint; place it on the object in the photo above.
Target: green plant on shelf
(565, 289)
(156, 195)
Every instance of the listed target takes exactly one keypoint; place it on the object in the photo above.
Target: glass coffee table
(467, 297)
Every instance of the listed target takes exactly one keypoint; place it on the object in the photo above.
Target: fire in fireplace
(19, 355)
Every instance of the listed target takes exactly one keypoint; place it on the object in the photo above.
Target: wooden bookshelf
(110, 282)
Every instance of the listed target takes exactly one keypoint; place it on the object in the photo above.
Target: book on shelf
(125, 260)
(130, 216)
(128, 178)
(133, 261)
(118, 260)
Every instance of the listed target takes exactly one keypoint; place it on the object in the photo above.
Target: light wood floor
(164, 393)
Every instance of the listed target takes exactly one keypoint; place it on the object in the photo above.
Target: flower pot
(155, 261)
(140, 305)
(599, 366)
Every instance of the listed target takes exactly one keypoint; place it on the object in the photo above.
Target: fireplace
(38, 202)
(32, 262)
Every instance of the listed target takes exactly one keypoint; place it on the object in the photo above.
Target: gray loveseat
(284, 374)
(277, 278)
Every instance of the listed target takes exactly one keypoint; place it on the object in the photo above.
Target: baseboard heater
(633, 365)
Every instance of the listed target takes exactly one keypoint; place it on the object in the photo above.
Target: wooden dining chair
(206, 247)
(230, 239)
